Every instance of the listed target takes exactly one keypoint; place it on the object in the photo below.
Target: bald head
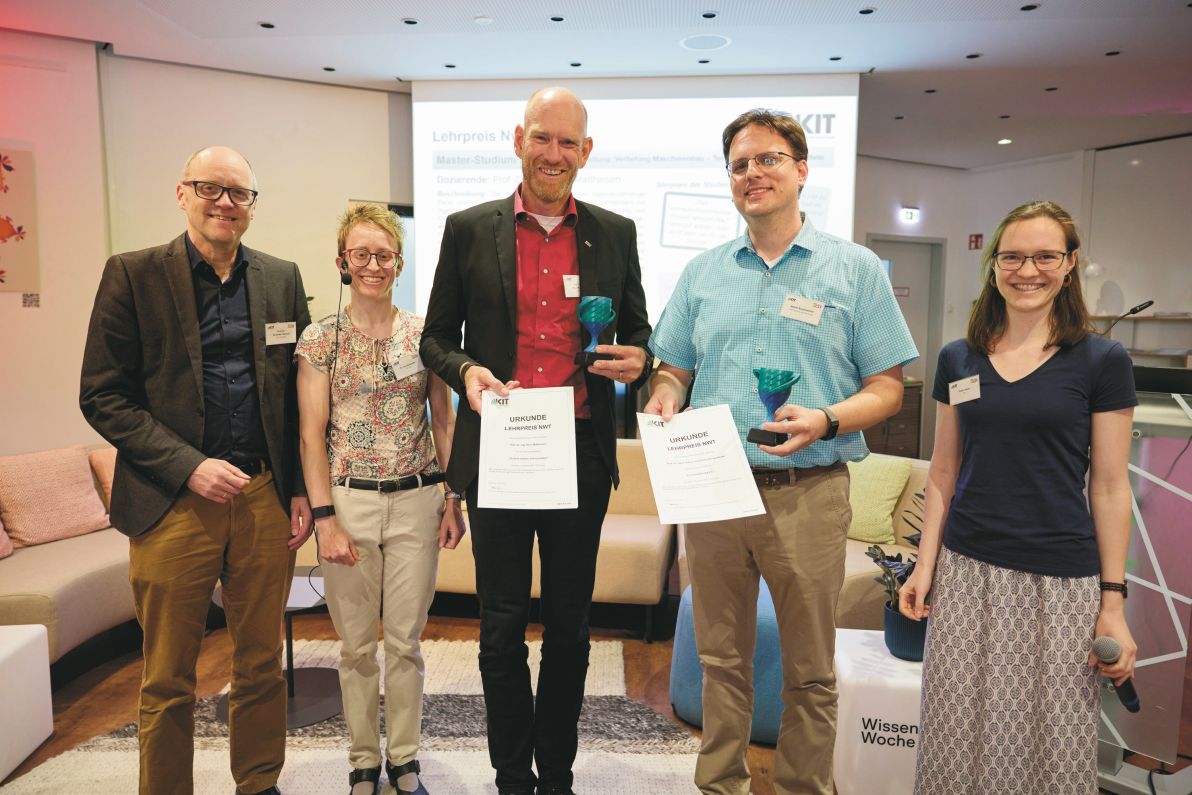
(222, 155)
(555, 100)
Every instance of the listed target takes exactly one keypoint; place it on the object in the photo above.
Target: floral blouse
(378, 426)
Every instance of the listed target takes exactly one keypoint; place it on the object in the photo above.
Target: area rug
(625, 747)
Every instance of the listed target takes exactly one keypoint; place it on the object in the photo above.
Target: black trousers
(521, 728)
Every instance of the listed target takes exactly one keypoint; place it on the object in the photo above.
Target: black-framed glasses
(766, 161)
(360, 257)
(1044, 260)
(212, 191)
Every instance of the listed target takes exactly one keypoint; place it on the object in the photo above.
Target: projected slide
(657, 161)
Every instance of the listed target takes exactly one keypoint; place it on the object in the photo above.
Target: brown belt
(773, 478)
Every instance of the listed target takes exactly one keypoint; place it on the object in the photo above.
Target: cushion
(875, 485)
(5, 543)
(103, 464)
(49, 495)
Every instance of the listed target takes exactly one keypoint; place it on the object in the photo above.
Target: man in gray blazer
(188, 371)
(502, 313)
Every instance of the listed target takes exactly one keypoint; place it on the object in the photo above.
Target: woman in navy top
(1023, 570)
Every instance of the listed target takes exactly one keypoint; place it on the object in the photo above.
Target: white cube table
(877, 729)
(24, 693)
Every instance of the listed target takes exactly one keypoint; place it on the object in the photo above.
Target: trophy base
(768, 438)
(587, 358)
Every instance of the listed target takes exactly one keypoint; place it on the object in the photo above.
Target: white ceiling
(902, 49)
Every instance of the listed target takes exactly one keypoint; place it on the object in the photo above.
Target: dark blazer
(475, 289)
(142, 381)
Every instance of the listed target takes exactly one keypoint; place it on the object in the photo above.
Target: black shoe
(270, 791)
(556, 790)
(362, 774)
(394, 773)
(529, 791)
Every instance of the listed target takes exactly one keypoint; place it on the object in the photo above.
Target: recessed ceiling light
(1029, 7)
(1004, 141)
(576, 63)
(973, 55)
(1052, 88)
(704, 60)
(410, 21)
(709, 15)
(556, 19)
(1004, 116)
(481, 19)
(328, 68)
(705, 41)
(867, 10)
(929, 91)
(448, 66)
(267, 25)
(1136, 162)
(834, 58)
(1112, 53)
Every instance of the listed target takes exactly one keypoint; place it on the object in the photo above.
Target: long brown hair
(1070, 322)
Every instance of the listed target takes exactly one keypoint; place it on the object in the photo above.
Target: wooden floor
(105, 697)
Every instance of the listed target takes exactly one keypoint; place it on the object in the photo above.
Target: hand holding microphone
(1107, 650)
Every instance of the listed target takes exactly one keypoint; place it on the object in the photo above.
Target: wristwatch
(322, 511)
(833, 424)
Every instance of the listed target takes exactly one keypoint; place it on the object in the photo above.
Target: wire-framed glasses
(766, 161)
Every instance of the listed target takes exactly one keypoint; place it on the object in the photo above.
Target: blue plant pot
(904, 636)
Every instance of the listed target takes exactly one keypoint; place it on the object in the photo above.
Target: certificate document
(527, 450)
(698, 468)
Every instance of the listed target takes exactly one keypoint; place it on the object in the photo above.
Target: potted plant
(904, 636)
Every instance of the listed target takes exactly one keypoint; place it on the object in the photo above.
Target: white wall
(51, 106)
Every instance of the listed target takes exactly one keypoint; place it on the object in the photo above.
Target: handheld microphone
(345, 278)
(1126, 314)
(1107, 650)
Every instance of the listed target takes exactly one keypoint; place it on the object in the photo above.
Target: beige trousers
(173, 569)
(798, 547)
(396, 535)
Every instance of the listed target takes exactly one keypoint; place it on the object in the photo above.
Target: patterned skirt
(1009, 702)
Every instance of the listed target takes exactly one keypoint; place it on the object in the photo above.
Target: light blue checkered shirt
(724, 319)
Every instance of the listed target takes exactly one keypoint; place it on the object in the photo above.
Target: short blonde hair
(375, 214)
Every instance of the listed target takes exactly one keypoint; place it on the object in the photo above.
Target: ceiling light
(704, 60)
(576, 63)
(834, 58)
(1004, 141)
(556, 19)
(709, 15)
(1052, 88)
(328, 68)
(973, 55)
(481, 19)
(1112, 53)
(448, 66)
(1029, 7)
(1135, 162)
(705, 41)
(899, 118)
(929, 91)
(410, 21)
(1004, 116)
(867, 10)
(267, 25)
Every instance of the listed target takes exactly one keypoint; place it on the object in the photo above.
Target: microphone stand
(1125, 315)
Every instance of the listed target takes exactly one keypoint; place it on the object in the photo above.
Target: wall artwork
(19, 271)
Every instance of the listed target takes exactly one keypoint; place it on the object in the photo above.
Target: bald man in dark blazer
(188, 371)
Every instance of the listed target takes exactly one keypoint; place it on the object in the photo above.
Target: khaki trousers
(798, 546)
(173, 569)
(397, 536)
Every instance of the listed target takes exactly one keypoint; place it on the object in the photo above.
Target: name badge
(407, 365)
(571, 286)
(281, 333)
(964, 390)
(802, 309)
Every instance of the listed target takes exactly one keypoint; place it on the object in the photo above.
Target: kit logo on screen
(876, 731)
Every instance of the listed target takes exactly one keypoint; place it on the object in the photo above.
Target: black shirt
(232, 429)
(1020, 501)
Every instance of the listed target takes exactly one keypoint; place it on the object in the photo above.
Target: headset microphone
(345, 278)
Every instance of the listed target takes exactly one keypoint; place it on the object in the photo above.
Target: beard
(544, 191)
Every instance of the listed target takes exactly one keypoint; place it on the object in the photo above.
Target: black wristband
(322, 512)
(1119, 587)
(463, 371)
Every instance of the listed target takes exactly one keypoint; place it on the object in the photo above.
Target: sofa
(880, 493)
(61, 563)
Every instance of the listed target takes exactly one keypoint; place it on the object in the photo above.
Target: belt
(771, 478)
(251, 468)
(401, 484)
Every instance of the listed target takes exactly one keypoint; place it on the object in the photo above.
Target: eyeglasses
(1044, 260)
(766, 161)
(213, 191)
(360, 257)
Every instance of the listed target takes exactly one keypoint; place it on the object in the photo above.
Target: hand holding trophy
(773, 388)
(595, 313)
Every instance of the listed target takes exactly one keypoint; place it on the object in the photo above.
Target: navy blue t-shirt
(1019, 500)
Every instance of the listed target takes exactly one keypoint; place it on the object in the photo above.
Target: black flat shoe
(361, 775)
(394, 773)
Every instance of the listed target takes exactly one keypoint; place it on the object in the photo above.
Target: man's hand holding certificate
(527, 449)
(698, 468)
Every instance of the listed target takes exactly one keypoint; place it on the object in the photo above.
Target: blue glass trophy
(595, 313)
(773, 388)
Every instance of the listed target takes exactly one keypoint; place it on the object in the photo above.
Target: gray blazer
(142, 380)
